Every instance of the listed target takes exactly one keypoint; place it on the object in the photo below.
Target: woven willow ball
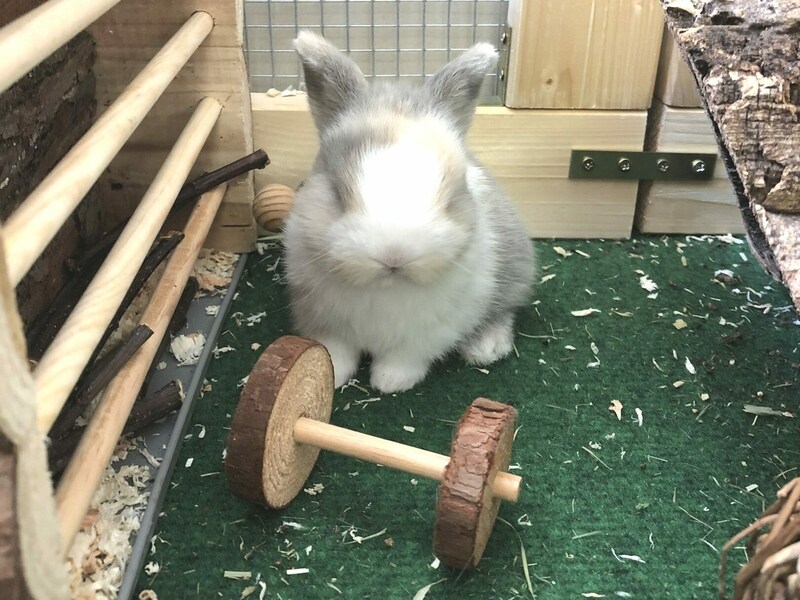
(272, 205)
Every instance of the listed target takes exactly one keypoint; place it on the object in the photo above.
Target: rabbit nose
(392, 261)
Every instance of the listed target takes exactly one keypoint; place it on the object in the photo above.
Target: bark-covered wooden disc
(466, 511)
(292, 378)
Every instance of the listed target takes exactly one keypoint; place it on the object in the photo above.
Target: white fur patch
(400, 183)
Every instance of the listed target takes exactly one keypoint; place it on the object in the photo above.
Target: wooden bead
(272, 205)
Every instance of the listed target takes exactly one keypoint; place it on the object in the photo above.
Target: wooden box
(593, 54)
(686, 206)
(528, 151)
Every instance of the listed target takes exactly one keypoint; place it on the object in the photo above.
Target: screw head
(663, 165)
(587, 163)
(504, 37)
(624, 164)
(698, 166)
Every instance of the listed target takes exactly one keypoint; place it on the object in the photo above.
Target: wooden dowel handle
(85, 470)
(65, 359)
(34, 224)
(27, 41)
(391, 454)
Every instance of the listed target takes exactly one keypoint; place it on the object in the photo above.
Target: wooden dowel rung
(34, 224)
(80, 480)
(390, 454)
(28, 40)
(65, 359)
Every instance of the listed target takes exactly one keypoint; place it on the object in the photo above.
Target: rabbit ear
(456, 86)
(333, 81)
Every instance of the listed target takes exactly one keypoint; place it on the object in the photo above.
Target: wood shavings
(646, 283)
(152, 568)
(423, 592)
(677, 384)
(766, 411)
(96, 561)
(147, 595)
(409, 428)
(161, 366)
(622, 314)
(239, 575)
(155, 462)
(315, 489)
(582, 253)
(631, 557)
(214, 271)
(187, 348)
(679, 324)
(571, 348)
(560, 251)
(217, 351)
(435, 564)
(616, 408)
(592, 595)
(357, 539)
(212, 311)
(689, 366)
(584, 312)
(547, 278)
(256, 318)
(255, 346)
(189, 462)
(297, 571)
(639, 416)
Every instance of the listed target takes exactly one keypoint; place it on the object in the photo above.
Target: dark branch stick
(190, 191)
(95, 379)
(145, 411)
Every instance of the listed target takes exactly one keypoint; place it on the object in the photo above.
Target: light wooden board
(527, 150)
(686, 206)
(127, 37)
(675, 85)
(583, 53)
(134, 23)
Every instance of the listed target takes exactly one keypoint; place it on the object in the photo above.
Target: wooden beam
(80, 480)
(583, 53)
(36, 222)
(528, 151)
(744, 55)
(28, 40)
(675, 84)
(65, 359)
(686, 206)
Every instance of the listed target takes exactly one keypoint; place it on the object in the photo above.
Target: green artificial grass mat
(669, 489)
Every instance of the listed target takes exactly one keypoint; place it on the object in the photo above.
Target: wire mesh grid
(408, 39)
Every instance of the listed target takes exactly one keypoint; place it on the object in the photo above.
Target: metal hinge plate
(502, 63)
(612, 164)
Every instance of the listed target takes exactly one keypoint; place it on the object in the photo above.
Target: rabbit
(400, 245)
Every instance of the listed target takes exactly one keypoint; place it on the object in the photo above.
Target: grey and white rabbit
(400, 244)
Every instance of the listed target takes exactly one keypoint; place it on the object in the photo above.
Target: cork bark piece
(292, 378)
(466, 511)
(744, 57)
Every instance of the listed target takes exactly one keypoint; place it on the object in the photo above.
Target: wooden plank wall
(127, 37)
(528, 151)
(590, 54)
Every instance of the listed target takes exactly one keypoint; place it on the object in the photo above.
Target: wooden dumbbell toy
(272, 206)
(281, 424)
